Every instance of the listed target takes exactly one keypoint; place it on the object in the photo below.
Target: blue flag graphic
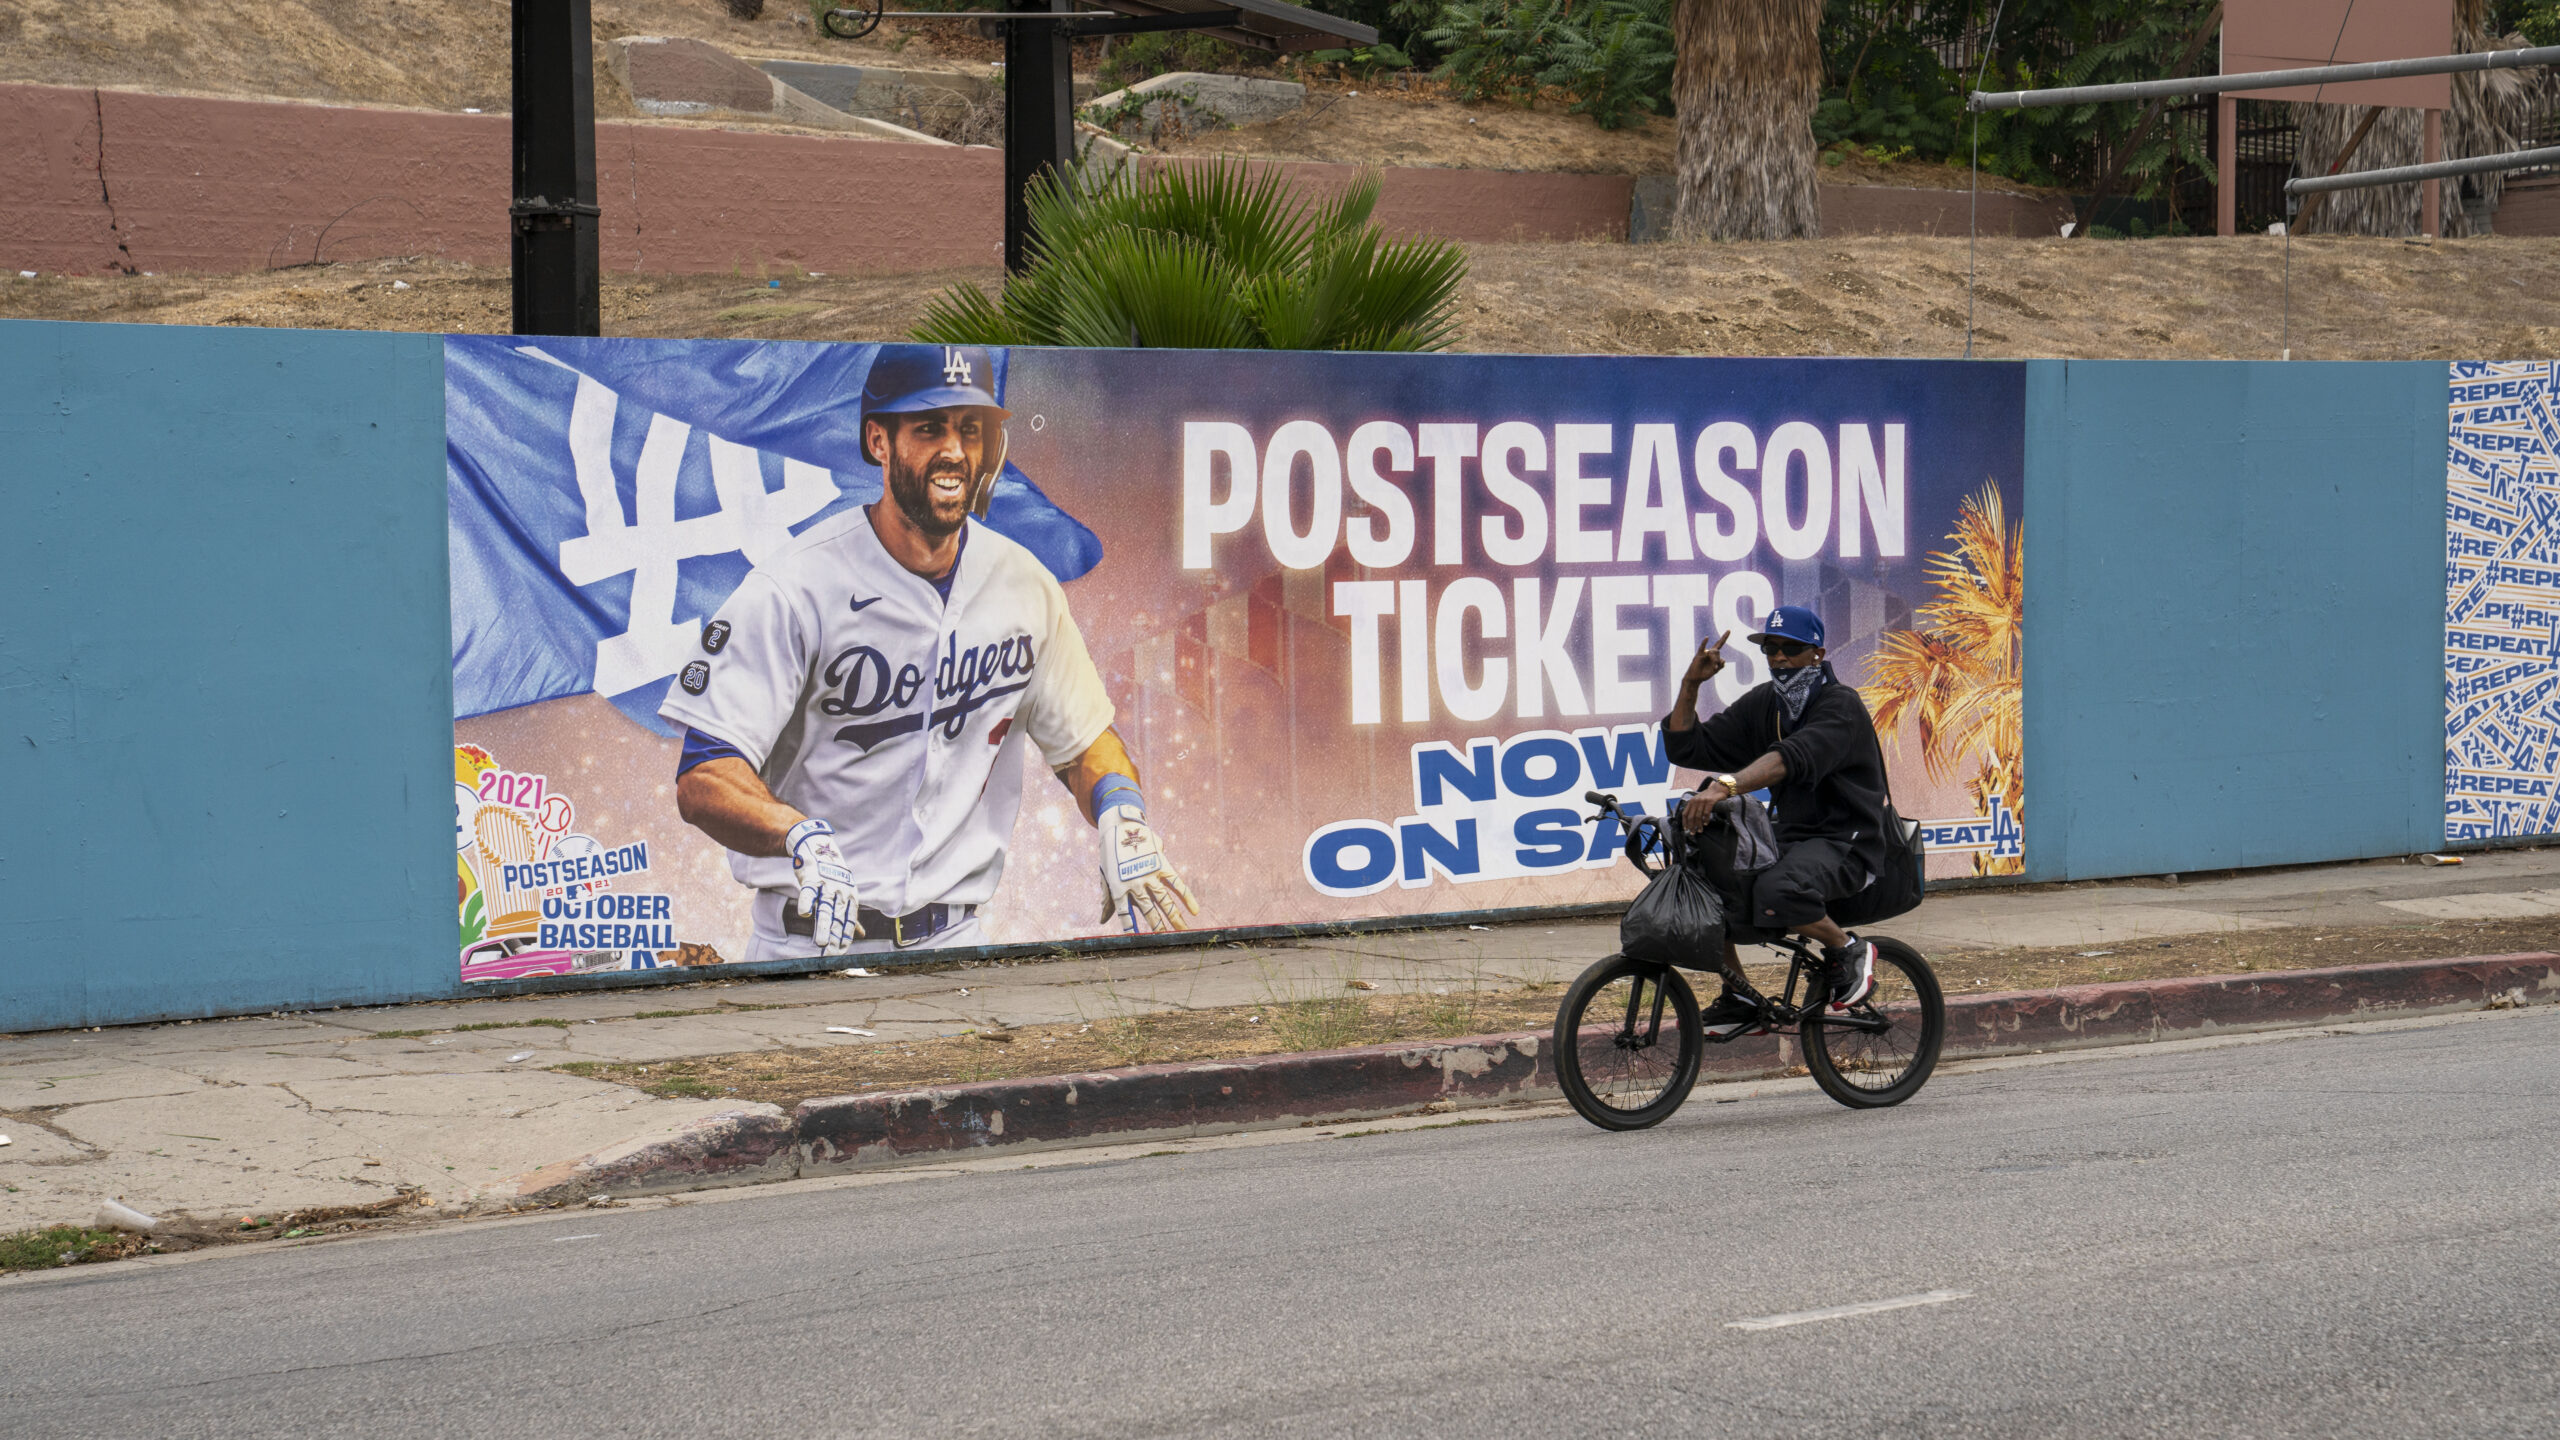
(607, 495)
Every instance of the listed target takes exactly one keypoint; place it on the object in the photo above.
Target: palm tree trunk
(2492, 112)
(1750, 72)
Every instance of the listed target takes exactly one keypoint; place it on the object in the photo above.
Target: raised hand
(1708, 663)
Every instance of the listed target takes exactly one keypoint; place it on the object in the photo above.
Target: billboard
(2502, 600)
(1358, 629)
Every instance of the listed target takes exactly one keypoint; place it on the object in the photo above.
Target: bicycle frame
(1803, 967)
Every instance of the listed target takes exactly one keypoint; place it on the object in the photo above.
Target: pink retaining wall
(222, 185)
(93, 180)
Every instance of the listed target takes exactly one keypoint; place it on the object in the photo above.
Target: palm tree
(1957, 673)
(1749, 74)
(1215, 256)
(2493, 111)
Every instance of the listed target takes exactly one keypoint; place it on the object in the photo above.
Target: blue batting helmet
(907, 378)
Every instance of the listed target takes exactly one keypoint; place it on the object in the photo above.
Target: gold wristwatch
(1732, 786)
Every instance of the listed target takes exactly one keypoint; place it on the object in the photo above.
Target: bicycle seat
(1741, 934)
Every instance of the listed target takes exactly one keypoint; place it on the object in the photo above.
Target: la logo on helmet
(955, 368)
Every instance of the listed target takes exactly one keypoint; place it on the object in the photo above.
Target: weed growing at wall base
(59, 1245)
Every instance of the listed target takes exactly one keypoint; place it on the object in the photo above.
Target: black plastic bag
(1679, 919)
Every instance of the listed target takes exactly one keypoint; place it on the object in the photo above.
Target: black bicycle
(1628, 1042)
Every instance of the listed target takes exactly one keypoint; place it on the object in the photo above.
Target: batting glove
(827, 892)
(1138, 884)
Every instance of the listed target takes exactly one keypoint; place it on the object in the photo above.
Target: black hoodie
(1835, 786)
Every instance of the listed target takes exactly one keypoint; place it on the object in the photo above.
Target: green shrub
(2538, 21)
(1615, 60)
(1164, 52)
(1891, 91)
(1216, 256)
(1496, 48)
(1611, 58)
(1362, 59)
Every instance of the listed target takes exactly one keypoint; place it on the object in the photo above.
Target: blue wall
(2235, 580)
(225, 689)
(225, 680)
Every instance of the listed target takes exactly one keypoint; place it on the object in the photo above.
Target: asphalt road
(2323, 1236)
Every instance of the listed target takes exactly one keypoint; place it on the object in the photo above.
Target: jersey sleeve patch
(745, 687)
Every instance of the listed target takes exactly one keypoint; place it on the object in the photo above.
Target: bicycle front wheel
(1880, 1051)
(1627, 1043)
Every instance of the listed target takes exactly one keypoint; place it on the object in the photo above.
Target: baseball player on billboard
(854, 723)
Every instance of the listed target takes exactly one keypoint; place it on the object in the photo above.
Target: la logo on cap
(955, 368)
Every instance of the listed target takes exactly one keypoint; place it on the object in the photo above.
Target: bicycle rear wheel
(1627, 1043)
(1880, 1052)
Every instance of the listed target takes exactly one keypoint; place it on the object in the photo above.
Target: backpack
(1905, 881)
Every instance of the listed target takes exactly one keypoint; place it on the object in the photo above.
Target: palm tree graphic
(1956, 673)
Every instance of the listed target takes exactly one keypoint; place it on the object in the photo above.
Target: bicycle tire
(1610, 1077)
(1865, 1070)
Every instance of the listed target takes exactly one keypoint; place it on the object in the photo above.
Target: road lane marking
(1843, 1312)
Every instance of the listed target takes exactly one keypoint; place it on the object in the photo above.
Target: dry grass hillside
(2353, 299)
(452, 55)
(436, 54)
(1389, 122)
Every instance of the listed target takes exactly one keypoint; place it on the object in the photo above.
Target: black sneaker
(1853, 972)
(1735, 1014)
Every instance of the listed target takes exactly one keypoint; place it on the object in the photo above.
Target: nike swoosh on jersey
(859, 604)
(872, 732)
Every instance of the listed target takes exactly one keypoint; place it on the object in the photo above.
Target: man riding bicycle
(1807, 739)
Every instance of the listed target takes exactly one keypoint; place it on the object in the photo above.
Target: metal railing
(2264, 79)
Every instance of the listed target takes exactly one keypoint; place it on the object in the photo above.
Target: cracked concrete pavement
(272, 1113)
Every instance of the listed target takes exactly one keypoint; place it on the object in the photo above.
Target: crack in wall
(124, 264)
(631, 138)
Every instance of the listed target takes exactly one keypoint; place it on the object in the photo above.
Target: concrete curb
(745, 1146)
(758, 1143)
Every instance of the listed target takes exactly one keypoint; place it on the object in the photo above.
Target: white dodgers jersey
(866, 700)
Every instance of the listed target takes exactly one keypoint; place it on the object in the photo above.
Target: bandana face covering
(1795, 688)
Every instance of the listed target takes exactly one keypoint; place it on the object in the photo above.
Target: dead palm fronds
(1955, 675)
(2493, 112)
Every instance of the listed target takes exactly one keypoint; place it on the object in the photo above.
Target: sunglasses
(1789, 648)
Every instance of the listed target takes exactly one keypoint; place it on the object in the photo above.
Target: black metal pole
(1039, 124)
(557, 274)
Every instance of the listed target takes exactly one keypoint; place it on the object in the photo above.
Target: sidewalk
(344, 1108)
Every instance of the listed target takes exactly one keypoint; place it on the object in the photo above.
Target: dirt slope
(2353, 299)
(438, 54)
(453, 55)
(1388, 122)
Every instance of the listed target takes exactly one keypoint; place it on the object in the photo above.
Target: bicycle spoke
(1629, 1064)
(1878, 1059)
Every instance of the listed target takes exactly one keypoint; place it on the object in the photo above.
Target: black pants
(1799, 889)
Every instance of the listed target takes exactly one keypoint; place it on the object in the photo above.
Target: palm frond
(1956, 677)
(963, 315)
(1221, 254)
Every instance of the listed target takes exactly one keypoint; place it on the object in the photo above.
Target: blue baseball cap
(908, 378)
(1790, 622)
